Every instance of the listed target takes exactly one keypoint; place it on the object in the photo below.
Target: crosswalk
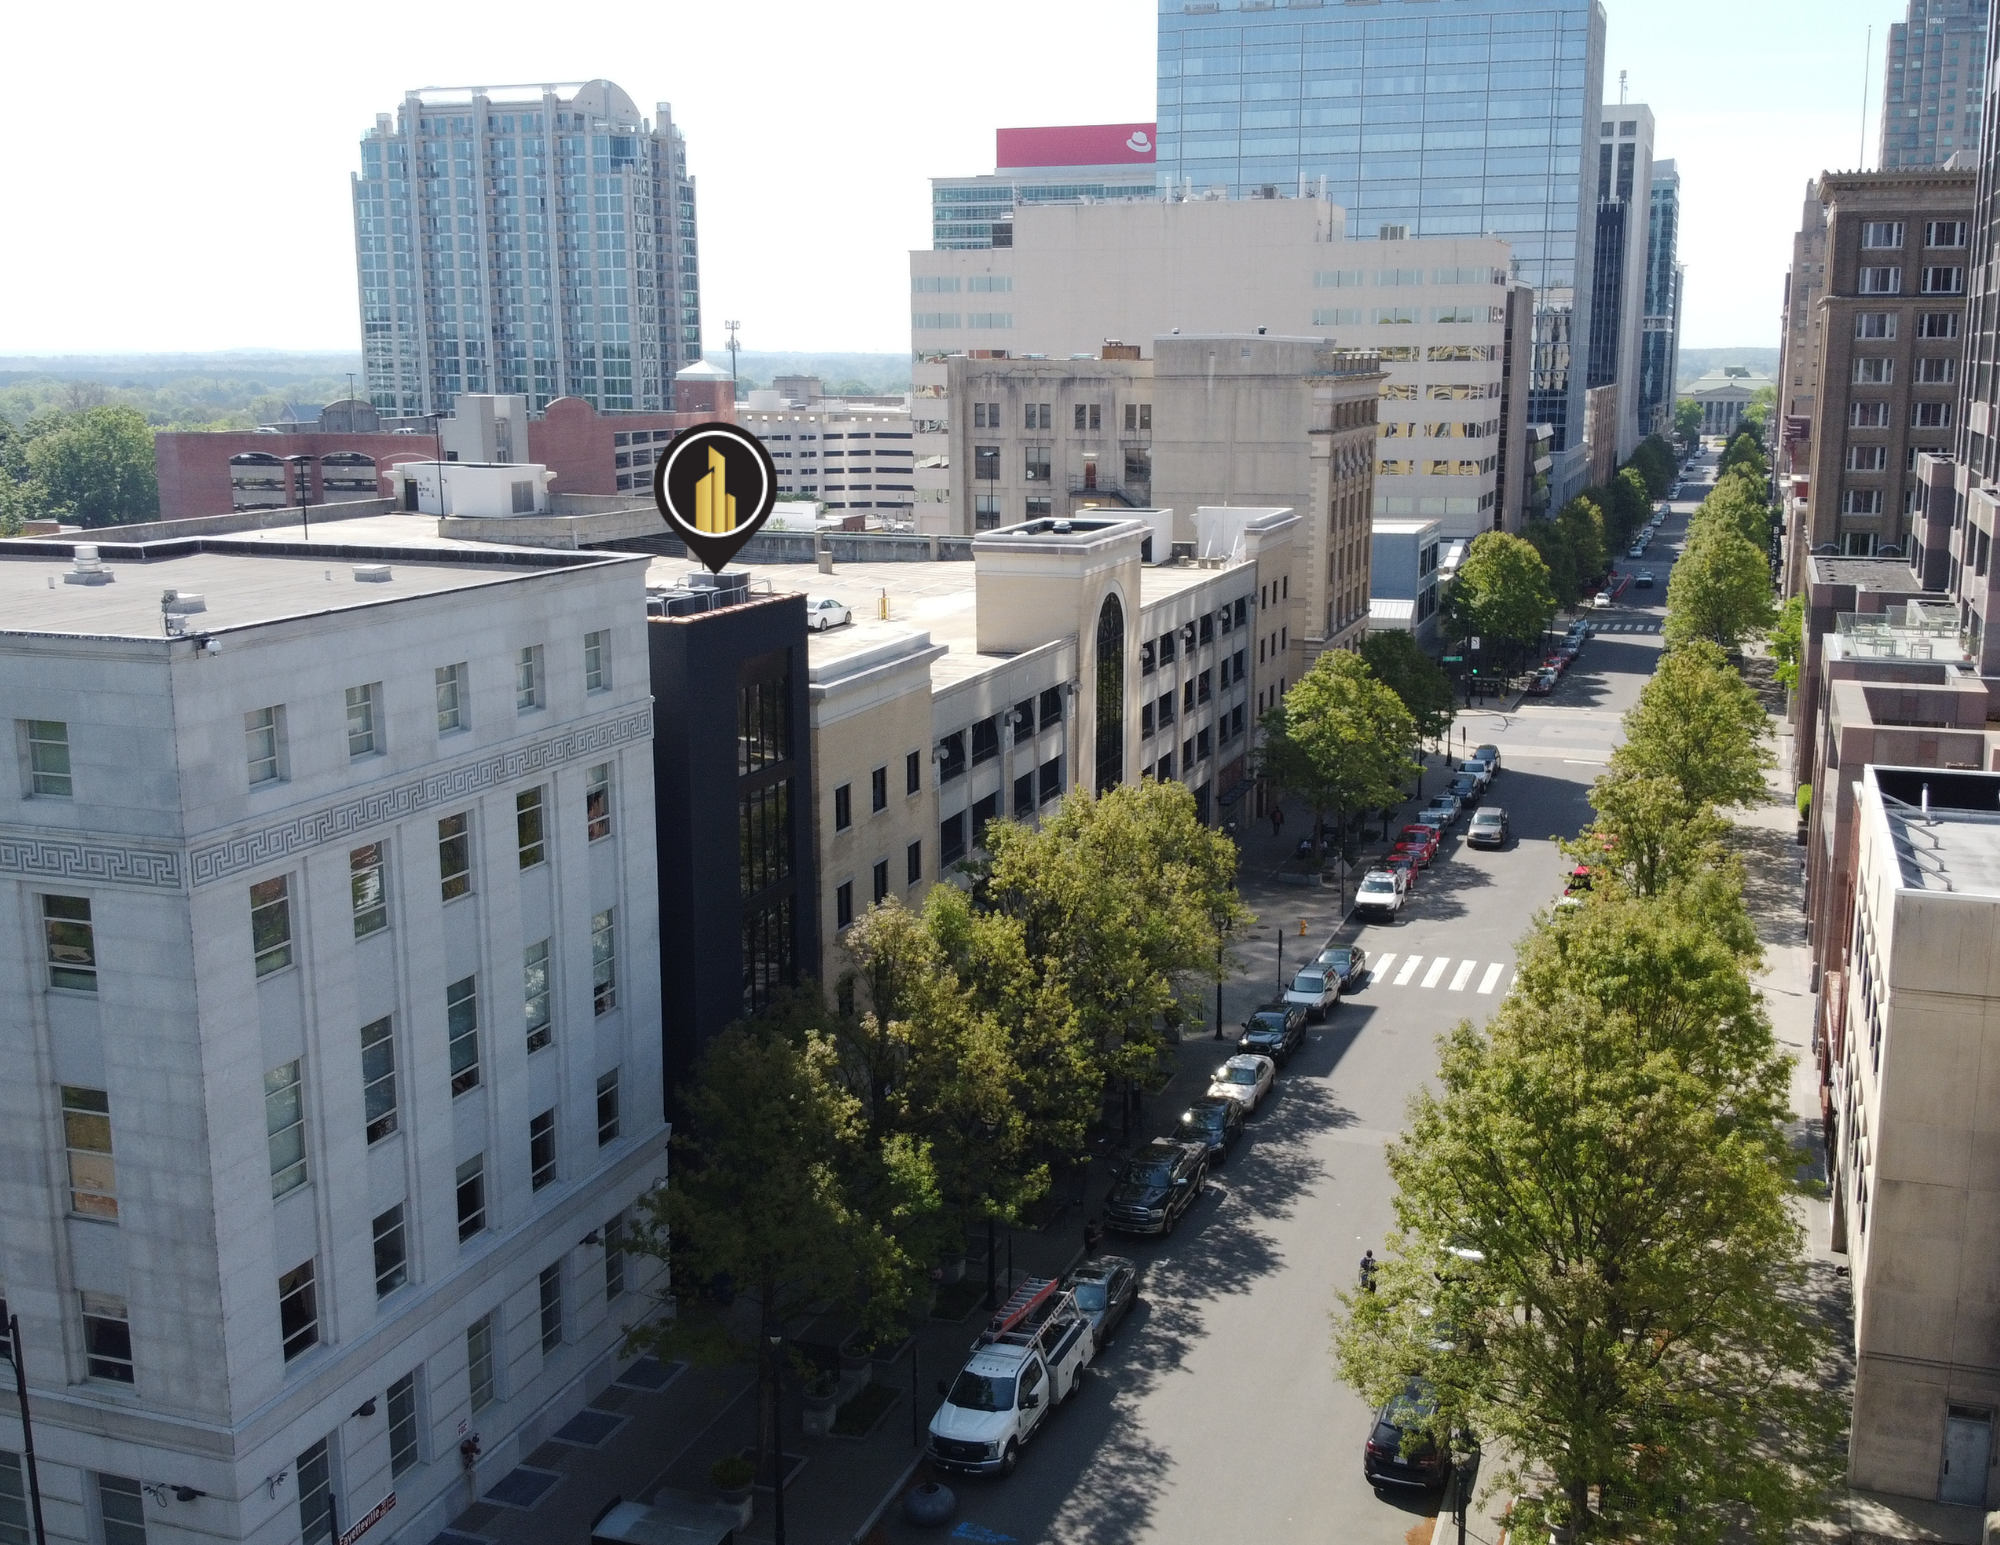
(1404, 971)
(1625, 627)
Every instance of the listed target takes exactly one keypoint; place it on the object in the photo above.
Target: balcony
(1921, 631)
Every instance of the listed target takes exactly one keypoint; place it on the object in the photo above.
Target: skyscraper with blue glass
(1441, 120)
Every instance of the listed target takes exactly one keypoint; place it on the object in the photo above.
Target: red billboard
(1088, 144)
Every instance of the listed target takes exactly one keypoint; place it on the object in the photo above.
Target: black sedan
(1214, 1123)
(1468, 789)
(1276, 1031)
(1384, 1461)
(1349, 962)
(1158, 1184)
(1105, 1289)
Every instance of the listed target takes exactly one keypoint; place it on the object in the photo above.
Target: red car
(1543, 683)
(1423, 840)
(1404, 860)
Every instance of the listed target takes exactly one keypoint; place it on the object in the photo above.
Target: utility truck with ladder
(1027, 1361)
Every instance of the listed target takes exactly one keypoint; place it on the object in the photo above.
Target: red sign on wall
(1089, 144)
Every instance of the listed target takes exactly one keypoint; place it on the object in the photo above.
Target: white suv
(1382, 892)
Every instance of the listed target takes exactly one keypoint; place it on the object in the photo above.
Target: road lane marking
(1409, 967)
(1462, 975)
(1382, 964)
(1491, 979)
(1437, 970)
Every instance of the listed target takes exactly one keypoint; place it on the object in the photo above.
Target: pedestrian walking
(1368, 1271)
(1277, 819)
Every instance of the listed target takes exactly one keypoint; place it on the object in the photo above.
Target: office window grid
(364, 736)
(315, 1479)
(107, 1337)
(367, 888)
(391, 1253)
(404, 1447)
(550, 1287)
(263, 735)
(607, 1108)
(535, 993)
(121, 1509)
(542, 1150)
(298, 1310)
(597, 802)
(455, 856)
(597, 662)
(604, 960)
(471, 1197)
(451, 697)
(271, 924)
(285, 1128)
(528, 679)
(48, 759)
(461, 1013)
(69, 937)
(530, 835)
(378, 1079)
(93, 1175)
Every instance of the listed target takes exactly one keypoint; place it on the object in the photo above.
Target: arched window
(1110, 694)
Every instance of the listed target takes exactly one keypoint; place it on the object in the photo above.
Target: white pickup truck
(1028, 1360)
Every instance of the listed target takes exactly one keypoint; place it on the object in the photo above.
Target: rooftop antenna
(1621, 88)
(733, 346)
(1867, 53)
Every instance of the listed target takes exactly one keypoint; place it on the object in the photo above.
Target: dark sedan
(1105, 1289)
(1349, 962)
(1275, 1031)
(1158, 1184)
(1467, 788)
(1384, 1461)
(1214, 1123)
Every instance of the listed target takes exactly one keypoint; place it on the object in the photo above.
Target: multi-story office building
(1933, 84)
(1886, 345)
(1434, 311)
(1403, 573)
(1623, 256)
(537, 240)
(847, 456)
(1083, 163)
(1430, 120)
(1798, 377)
(1660, 326)
(332, 1019)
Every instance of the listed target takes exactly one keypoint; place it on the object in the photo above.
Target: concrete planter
(816, 1413)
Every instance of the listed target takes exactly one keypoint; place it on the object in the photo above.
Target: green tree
(1626, 505)
(1698, 726)
(1400, 663)
(1720, 590)
(1687, 419)
(1788, 641)
(1565, 578)
(97, 467)
(1597, 1265)
(1645, 836)
(1737, 501)
(1502, 592)
(1582, 525)
(1657, 464)
(1757, 413)
(1744, 450)
(1340, 739)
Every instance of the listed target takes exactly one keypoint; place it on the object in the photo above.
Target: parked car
(1467, 789)
(1603, 598)
(1028, 1361)
(1275, 1030)
(1348, 963)
(827, 613)
(1404, 863)
(1214, 1122)
(1475, 767)
(1417, 834)
(1410, 855)
(1643, 580)
(1157, 1186)
(1245, 1079)
(1490, 755)
(1542, 683)
(1446, 804)
(1384, 1462)
(1636, 550)
(1382, 893)
(1105, 1290)
(1488, 828)
(1312, 991)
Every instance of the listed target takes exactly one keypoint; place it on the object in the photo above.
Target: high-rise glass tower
(1660, 340)
(1933, 79)
(1618, 280)
(1440, 120)
(537, 240)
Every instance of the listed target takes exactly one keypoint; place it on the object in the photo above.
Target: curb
(888, 1497)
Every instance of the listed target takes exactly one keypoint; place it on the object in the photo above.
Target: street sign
(1454, 659)
(1475, 643)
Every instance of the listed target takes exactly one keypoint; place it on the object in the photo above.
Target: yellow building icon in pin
(714, 504)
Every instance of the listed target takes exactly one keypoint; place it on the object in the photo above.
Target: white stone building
(331, 1006)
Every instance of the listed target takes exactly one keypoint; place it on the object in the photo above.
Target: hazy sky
(180, 177)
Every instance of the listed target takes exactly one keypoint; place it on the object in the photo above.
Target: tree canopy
(1700, 727)
(1657, 464)
(1340, 739)
(1400, 663)
(1720, 590)
(1503, 591)
(1687, 419)
(1788, 641)
(93, 467)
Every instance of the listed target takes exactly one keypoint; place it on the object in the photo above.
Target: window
(604, 961)
(1930, 415)
(764, 835)
(1202, 687)
(1206, 628)
(614, 1259)
(479, 1361)
(1089, 416)
(285, 1128)
(1874, 372)
(878, 790)
(769, 952)
(71, 943)
(1944, 281)
(597, 802)
(455, 856)
(403, 1449)
(391, 1256)
(121, 1508)
(1875, 324)
(597, 661)
(1138, 416)
(542, 1149)
(1024, 720)
(535, 993)
(528, 679)
(107, 1337)
(986, 463)
(1035, 463)
(984, 814)
(378, 1079)
(1881, 233)
(1052, 706)
(1933, 372)
(986, 740)
(13, 1498)
(843, 904)
(1169, 649)
(951, 757)
(363, 737)
(913, 773)
(298, 1310)
(93, 1180)
(365, 886)
(1944, 233)
(1037, 416)
(48, 758)
(1881, 281)
(985, 512)
(1165, 710)
(1861, 501)
(1037, 509)
(451, 697)
(461, 1017)
(264, 744)
(1860, 415)
(951, 838)
(316, 1520)
(843, 807)
(1937, 324)
(1867, 458)
(1166, 765)
(913, 863)
(1145, 720)
(607, 1108)
(881, 879)
(986, 415)
(1024, 796)
(551, 1296)
(471, 1198)
(1051, 779)
(528, 830)
(271, 924)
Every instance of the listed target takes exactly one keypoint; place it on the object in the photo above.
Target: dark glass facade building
(1447, 120)
(1660, 340)
(1933, 83)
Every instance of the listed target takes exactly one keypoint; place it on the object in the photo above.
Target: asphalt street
(1216, 1414)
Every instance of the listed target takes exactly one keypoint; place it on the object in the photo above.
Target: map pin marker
(715, 485)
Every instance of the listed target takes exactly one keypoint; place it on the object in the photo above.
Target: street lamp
(14, 1352)
(777, 1439)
